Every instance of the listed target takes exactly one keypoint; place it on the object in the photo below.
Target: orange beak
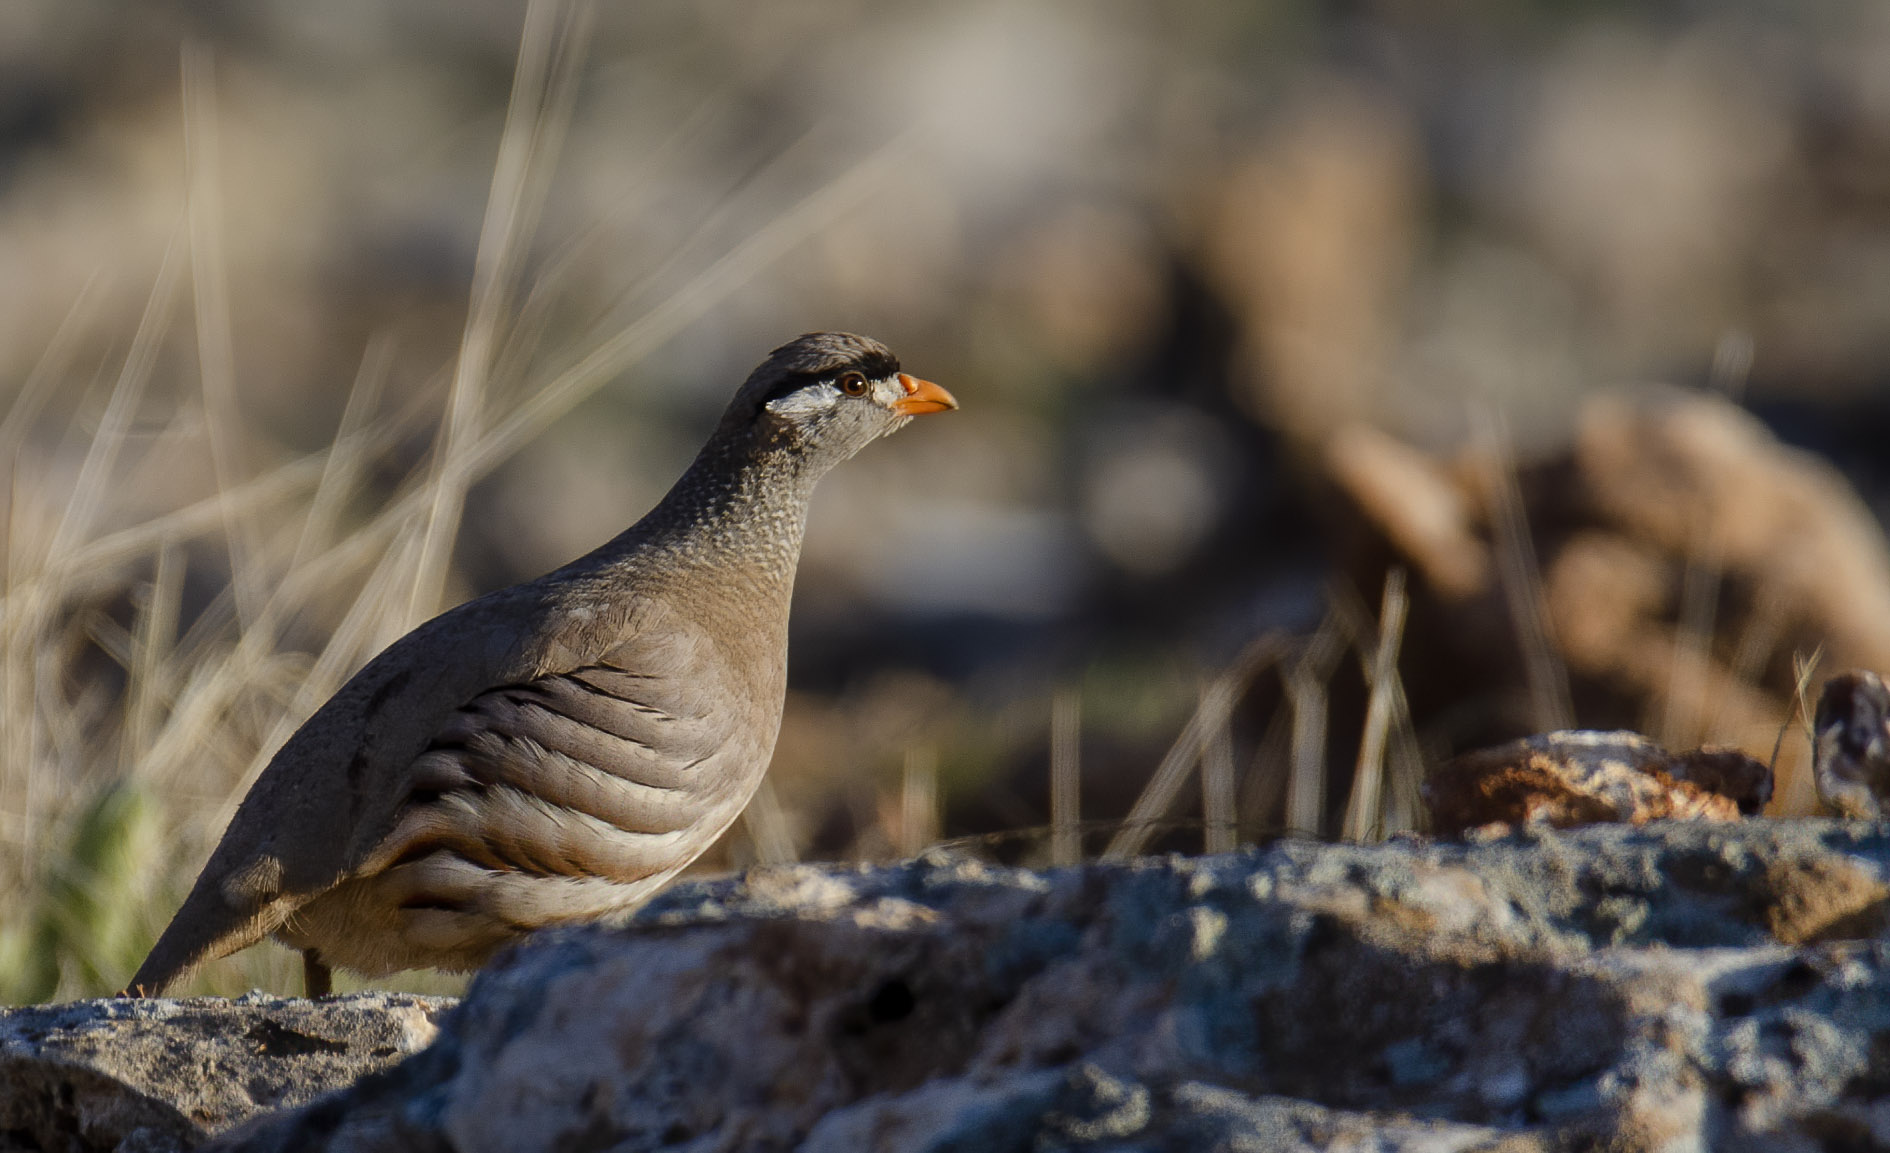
(922, 396)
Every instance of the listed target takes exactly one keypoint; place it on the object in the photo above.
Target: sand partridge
(558, 750)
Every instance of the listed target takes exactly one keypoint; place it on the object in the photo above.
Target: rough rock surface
(1676, 986)
(155, 1076)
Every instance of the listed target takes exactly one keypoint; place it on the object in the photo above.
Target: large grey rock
(149, 1076)
(1674, 987)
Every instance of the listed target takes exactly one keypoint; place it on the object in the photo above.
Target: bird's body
(557, 750)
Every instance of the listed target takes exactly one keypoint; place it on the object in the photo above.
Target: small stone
(1567, 779)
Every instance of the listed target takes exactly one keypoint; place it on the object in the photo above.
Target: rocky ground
(156, 1076)
(1673, 987)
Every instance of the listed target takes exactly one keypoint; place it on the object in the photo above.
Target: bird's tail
(207, 926)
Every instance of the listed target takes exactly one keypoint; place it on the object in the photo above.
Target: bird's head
(827, 395)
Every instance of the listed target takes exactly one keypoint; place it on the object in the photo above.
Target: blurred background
(1345, 386)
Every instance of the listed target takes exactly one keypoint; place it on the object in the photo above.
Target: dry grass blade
(1305, 684)
(527, 152)
(1364, 808)
(1765, 625)
(145, 691)
(39, 730)
(717, 211)
(47, 373)
(1521, 578)
(107, 635)
(1796, 791)
(1306, 782)
(1217, 702)
(1686, 707)
(17, 701)
(216, 354)
(1804, 668)
(1404, 810)
(1217, 788)
(1261, 803)
(767, 826)
(88, 493)
(271, 489)
(555, 272)
(1066, 777)
(349, 453)
(360, 633)
(1732, 364)
(918, 801)
(232, 674)
(314, 574)
(228, 676)
(19, 705)
(219, 677)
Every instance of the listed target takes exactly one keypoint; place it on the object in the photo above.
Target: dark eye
(852, 383)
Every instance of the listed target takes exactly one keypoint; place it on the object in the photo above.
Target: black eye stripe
(869, 367)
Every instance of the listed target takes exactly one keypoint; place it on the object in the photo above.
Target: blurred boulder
(1677, 560)
(1651, 169)
(1418, 504)
(1694, 476)
(1311, 244)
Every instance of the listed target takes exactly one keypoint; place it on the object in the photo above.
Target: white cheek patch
(804, 404)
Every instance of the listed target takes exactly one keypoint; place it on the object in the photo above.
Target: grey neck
(736, 517)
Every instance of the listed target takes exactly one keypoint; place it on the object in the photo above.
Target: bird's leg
(318, 980)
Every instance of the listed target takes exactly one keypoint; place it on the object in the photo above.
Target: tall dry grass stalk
(1066, 777)
(1218, 816)
(768, 829)
(1404, 809)
(1688, 716)
(1758, 640)
(1305, 684)
(544, 86)
(1804, 668)
(1210, 719)
(1521, 577)
(1364, 810)
(918, 800)
(216, 342)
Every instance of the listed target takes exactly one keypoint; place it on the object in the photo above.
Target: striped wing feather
(567, 797)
